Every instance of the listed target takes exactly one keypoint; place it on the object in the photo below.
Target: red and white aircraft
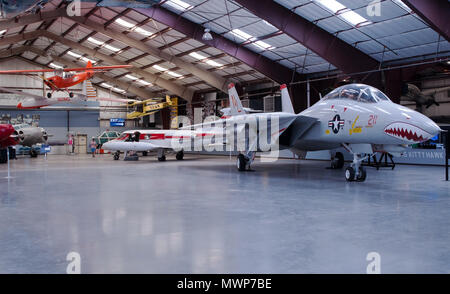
(61, 81)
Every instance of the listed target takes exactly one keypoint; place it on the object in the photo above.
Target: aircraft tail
(89, 66)
(235, 103)
(286, 102)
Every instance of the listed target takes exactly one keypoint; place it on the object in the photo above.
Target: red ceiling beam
(435, 12)
(262, 64)
(337, 52)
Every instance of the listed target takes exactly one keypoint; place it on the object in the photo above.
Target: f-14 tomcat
(364, 121)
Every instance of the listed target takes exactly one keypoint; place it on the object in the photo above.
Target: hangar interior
(200, 215)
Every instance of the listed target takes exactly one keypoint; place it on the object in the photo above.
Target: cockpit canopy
(357, 92)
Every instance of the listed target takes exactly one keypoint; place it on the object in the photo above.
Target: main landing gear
(117, 155)
(337, 162)
(161, 155)
(180, 155)
(355, 172)
(244, 161)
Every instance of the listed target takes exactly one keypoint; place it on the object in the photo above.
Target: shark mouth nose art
(407, 132)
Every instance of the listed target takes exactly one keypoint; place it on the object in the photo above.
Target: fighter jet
(29, 136)
(425, 98)
(361, 119)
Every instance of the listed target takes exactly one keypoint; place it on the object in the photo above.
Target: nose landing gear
(355, 172)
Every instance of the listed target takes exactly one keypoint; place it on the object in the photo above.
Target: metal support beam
(178, 90)
(32, 18)
(337, 52)
(262, 64)
(435, 12)
(212, 79)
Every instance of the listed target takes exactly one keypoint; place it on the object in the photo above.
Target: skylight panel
(201, 57)
(179, 5)
(160, 68)
(2, 32)
(174, 74)
(403, 5)
(125, 23)
(247, 37)
(119, 90)
(56, 66)
(343, 12)
(197, 55)
(76, 55)
(241, 35)
(145, 83)
(213, 63)
(133, 27)
(112, 48)
(131, 77)
(106, 85)
(143, 32)
(95, 41)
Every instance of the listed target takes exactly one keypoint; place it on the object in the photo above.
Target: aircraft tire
(144, 153)
(116, 156)
(162, 158)
(350, 174)
(362, 175)
(242, 162)
(49, 95)
(338, 161)
(71, 95)
(33, 153)
(180, 155)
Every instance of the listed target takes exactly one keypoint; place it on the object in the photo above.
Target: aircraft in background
(422, 98)
(8, 137)
(11, 9)
(162, 140)
(65, 78)
(28, 136)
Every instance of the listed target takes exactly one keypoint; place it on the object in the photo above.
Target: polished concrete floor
(202, 216)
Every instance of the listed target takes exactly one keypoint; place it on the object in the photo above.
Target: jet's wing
(120, 100)
(433, 91)
(36, 97)
(297, 129)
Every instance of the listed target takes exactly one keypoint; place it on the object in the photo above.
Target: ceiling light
(179, 5)
(56, 66)
(160, 68)
(207, 35)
